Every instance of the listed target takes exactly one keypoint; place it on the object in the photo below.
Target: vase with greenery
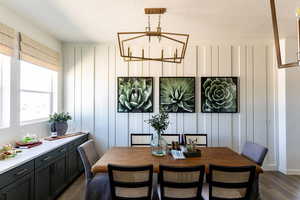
(59, 123)
(159, 123)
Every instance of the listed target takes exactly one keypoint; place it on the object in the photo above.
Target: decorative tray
(63, 136)
(191, 154)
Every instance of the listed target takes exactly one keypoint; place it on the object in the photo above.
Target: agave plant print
(177, 94)
(219, 94)
(135, 94)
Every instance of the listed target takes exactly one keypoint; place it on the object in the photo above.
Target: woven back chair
(171, 138)
(130, 182)
(140, 140)
(181, 182)
(232, 183)
(200, 139)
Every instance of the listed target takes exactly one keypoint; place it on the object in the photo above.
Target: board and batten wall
(90, 89)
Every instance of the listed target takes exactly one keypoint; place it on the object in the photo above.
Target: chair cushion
(255, 152)
(98, 188)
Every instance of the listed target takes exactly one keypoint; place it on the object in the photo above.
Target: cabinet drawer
(15, 174)
(45, 159)
(48, 158)
(81, 140)
(73, 145)
(60, 151)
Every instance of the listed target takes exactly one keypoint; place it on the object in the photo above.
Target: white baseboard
(270, 167)
(293, 172)
(290, 171)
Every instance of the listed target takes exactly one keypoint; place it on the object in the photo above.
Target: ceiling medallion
(165, 47)
(277, 38)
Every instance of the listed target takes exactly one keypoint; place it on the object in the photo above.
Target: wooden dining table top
(138, 156)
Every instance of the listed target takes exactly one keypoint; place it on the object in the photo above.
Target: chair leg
(255, 189)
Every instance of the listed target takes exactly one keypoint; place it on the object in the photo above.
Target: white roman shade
(7, 40)
(38, 54)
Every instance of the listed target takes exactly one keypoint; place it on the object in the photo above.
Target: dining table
(139, 156)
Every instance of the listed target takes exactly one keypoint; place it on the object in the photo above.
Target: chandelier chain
(159, 19)
(149, 24)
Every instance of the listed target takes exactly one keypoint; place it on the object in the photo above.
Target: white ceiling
(100, 20)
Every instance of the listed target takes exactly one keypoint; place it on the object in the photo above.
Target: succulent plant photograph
(135, 94)
(177, 94)
(219, 94)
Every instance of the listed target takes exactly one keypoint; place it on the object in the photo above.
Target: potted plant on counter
(59, 123)
(159, 123)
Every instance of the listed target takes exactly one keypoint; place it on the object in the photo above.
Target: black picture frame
(234, 109)
(119, 105)
(193, 100)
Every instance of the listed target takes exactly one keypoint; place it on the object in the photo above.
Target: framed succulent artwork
(135, 94)
(177, 94)
(219, 94)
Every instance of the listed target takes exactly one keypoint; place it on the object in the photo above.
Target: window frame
(52, 95)
(5, 88)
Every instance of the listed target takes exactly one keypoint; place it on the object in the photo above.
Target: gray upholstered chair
(95, 185)
(255, 152)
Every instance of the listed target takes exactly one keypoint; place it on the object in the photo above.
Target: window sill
(4, 127)
(36, 121)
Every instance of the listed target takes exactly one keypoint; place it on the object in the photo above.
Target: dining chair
(178, 183)
(138, 139)
(130, 182)
(171, 138)
(234, 183)
(255, 152)
(95, 185)
(201, 139)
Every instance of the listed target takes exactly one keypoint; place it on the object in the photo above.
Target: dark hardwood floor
(273, 186)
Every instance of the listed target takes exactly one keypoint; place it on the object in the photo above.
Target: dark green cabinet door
(59, 176)
(73, 164)
(80, 164)
(19, 190)
(43, 183)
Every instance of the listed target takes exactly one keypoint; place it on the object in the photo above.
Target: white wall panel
(101, 98)
(88, 89)
(122, 119)
(78, 90)
(91, 93)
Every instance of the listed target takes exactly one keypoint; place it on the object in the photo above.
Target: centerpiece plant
(159, 123)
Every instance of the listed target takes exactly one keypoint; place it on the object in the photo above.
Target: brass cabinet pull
(63, 150)
(47, 158)
(21, 172)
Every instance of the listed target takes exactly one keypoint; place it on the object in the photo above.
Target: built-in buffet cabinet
(46, 176)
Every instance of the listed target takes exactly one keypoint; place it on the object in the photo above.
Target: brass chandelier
(165, 47)
(277, 38)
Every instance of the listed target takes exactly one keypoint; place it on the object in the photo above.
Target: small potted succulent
(59, 123)
(159, 123)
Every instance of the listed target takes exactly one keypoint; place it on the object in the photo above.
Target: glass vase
(158, 145)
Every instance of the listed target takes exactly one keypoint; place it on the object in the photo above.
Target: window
(4, 90)
(38, 92)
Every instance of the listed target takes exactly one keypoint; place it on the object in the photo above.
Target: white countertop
(29, 154)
